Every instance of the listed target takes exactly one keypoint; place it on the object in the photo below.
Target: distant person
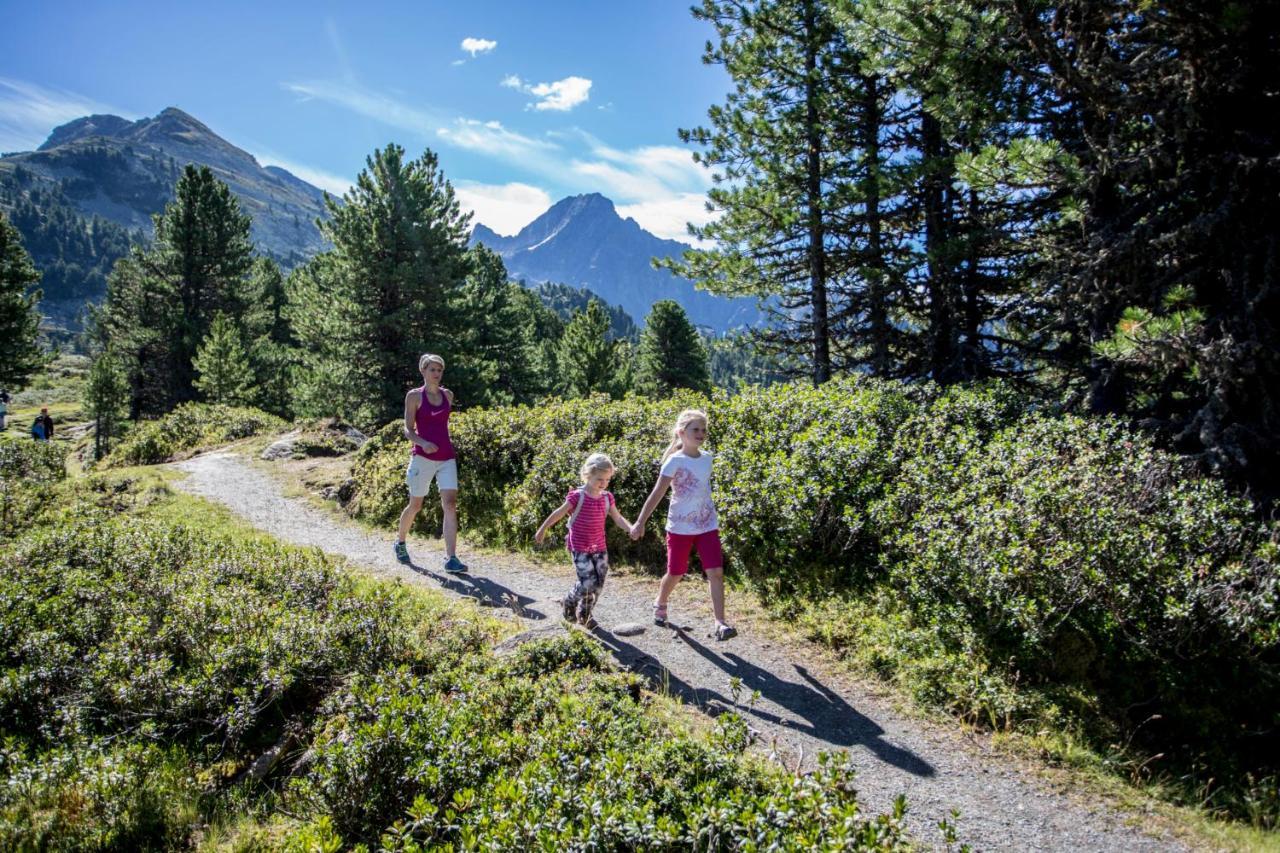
(42, 426)
(587, 508)
(691, 518)
(426, 425)
(4, 410)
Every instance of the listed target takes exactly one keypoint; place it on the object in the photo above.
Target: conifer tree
(364, 311)
(224, 373)
(105, 398)
(494, 346)
(671, 354)
(162, 300)
(20, 354)
(588, 359)
(270, 337)
(779, 145)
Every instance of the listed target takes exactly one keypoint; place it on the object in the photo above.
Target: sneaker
(725, 632)
(660, 615)
(454, 565)
(570, 610)
(402, 552)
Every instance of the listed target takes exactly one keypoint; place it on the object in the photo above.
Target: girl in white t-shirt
(691, 518)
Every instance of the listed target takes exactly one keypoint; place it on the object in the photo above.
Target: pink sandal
(660, 615)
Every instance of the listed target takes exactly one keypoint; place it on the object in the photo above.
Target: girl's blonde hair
(683, 420)
(427, 359)
(596, 463)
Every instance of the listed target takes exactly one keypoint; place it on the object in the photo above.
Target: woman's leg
(407, 516)
(449, 503)
(669, 582)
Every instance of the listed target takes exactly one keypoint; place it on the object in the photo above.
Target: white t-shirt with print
(691, 510)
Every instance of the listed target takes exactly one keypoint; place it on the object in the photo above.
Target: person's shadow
(486, 592)
(824, 713)
(661, 679)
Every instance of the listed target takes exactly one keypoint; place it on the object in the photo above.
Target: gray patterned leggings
(592, 567)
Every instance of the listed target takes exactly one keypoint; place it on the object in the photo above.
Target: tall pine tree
(162, 300)
(588, 360)
(364, 311)
(671, 354)
(20, 354)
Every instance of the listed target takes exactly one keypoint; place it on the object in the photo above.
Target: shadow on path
(661, 679)
(488, 593)
(828, 716)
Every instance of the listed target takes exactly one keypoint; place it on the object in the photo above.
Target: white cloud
(475, 46)
(506, 208)
(560, 96)
(667, 217)
(371, 105)
(28, 112)
(490, 137)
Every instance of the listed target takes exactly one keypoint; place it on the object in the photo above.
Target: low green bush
(1004, 562)
(543, 751)
(144, 666)
(188, 428)
(28, 472)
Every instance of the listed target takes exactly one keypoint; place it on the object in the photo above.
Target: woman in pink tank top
(426, 425)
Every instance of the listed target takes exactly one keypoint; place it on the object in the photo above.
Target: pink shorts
(680, 544)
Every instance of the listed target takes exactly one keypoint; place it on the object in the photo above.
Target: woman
(426, 425)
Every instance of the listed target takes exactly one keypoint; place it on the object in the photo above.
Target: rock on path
(799, 711)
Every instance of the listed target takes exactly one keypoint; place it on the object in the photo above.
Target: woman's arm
(556, 514)
(411, 402)
(659, 489)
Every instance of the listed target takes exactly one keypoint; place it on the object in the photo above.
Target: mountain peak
(82, 128)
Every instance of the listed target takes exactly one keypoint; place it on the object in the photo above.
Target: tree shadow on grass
(815, 709)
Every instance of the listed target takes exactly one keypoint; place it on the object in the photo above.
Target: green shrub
(28, 471)
(543, 751)
(188, 428)
(115, 625)
(98, 797)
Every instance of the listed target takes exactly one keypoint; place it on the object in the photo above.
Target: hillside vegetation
(167, 684)
(1025, 570)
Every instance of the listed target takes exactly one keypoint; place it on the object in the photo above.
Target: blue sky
(525, 102)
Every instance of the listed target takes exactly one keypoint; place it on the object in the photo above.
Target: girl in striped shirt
(587, 508)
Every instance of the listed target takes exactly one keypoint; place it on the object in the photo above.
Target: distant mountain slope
(582, 241)
(124, 172)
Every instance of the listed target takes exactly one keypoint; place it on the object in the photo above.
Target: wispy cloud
(339, 50)
(490, 137)
(660, 186)
(475, 46)
(372, 105)
(560, 96)
(334, 184)
(506, 208)
(28, 112)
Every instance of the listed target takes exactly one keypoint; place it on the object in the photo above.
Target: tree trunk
(813, 193)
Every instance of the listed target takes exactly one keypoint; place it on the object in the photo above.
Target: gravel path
(801, 708)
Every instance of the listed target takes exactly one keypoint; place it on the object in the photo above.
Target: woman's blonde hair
(683, 420)
(427, 358)
(595, 464)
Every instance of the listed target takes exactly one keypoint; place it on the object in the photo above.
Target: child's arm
(659, 489)
(556, 514)
(619, 519)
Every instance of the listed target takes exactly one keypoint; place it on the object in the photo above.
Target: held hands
(637, 530)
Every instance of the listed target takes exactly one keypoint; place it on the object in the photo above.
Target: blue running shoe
(402, 552)
(454, 565)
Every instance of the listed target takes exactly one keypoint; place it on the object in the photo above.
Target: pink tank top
(432, 424)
